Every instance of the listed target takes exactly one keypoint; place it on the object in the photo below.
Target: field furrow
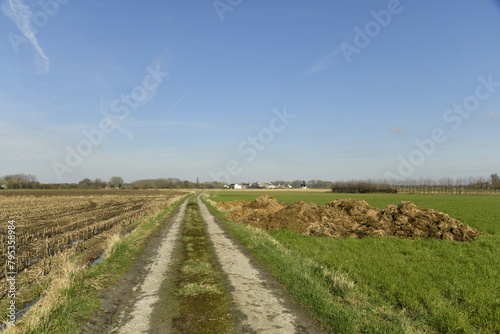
(47, 225)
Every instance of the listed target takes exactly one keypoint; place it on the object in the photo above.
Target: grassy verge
(77, 300)
(446, 286)
(203, 301)
(389, 285)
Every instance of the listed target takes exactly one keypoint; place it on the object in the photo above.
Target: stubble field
(46, 223)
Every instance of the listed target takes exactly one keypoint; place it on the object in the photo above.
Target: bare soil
(355, 218)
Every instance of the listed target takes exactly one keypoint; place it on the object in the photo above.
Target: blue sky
(359, 82)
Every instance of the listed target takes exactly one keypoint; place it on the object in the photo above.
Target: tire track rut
(265, 305)
(138, 305)
(138, 321)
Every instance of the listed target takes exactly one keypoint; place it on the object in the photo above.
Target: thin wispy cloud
(331, 59)
(397, 130)
(176, 103)
(161, 16)
(492, 115)
(166, 125)
(114, 121)
(21, 15)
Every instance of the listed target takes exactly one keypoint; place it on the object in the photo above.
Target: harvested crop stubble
(347, 217)
(46, 225)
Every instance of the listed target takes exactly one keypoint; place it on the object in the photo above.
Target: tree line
(444, 185)
(465, 185)
(28, 181)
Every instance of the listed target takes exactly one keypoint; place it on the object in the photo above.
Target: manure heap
(347, 217)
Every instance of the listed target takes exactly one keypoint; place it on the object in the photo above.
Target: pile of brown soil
(254, 211)
(350, 218)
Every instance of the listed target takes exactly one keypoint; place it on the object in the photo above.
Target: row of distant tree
(444, 184)
(383, 185)
(422, 185)
(28, 181)
(19, 181)
(173, 183)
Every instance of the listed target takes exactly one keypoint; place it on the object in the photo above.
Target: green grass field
(389, 285)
